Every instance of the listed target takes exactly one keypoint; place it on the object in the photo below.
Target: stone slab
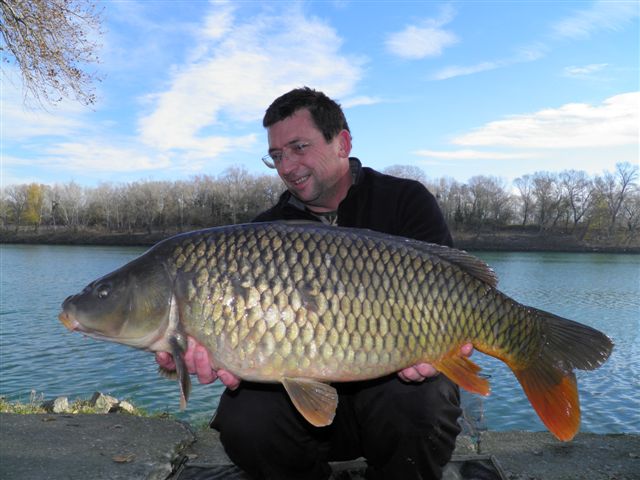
(540, 456)
(120, 446)
(114, 446)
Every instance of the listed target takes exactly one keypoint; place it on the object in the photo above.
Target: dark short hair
(326, 113)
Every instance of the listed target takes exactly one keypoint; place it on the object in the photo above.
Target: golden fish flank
(308, 304)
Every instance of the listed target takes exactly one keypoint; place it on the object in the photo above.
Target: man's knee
(416, 429)
(264, 435)
(248, 417)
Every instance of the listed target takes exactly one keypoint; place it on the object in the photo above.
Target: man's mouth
(300, 180)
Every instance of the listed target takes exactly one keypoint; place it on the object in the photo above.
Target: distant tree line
(601, 206)
(146, 206)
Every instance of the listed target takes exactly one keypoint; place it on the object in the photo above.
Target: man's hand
(197, 360)
(421, 371)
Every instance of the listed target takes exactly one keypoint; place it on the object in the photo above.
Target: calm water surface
(38, 353)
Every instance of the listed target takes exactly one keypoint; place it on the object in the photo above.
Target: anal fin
(316, 401)
(464, 372)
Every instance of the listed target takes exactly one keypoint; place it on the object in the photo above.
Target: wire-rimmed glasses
(274, 157)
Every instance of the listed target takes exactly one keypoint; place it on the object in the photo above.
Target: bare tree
(524, 185)
(70, 202)
(52, 42)
(233, 185)
(265, 192)
(449, 193)
(491, 201)
(578, 190)
(148, 201)
(17, 198)
(5, 213)
(201, 204)
(179, 199)
(548, 197)
(407, 171)
(631, 214)
(614, 187)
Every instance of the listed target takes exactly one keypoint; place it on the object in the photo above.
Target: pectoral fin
(315, 401)
(181, 371)
(463, 372)
(178, 345)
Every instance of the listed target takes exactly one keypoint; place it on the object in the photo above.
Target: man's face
(314, 175)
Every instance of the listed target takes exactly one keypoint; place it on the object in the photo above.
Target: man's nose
(287, 162)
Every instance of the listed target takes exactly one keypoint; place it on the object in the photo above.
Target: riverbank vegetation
(98, 404)
(569, 207)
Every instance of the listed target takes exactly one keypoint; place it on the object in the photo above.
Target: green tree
(52, 42)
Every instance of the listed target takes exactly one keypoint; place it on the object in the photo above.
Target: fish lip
(155, 341)
(68, 321)
(75, 326)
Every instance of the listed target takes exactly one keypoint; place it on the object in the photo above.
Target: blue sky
(465, 88)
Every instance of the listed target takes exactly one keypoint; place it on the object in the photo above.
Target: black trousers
(404, 430)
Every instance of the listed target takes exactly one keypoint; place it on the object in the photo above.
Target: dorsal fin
(467, 262)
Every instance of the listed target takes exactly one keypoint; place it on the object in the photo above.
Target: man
(405, 425)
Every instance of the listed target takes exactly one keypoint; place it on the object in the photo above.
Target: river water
(38, 354)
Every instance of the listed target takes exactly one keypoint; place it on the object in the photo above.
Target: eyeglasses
(274, 158)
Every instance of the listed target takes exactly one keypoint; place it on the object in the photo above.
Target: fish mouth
(68, 321)
(74, 325)
(155, 340)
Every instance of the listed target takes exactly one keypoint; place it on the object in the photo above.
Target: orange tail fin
(548, 379)
(555, 399)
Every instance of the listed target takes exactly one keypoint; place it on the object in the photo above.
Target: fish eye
(103, 290)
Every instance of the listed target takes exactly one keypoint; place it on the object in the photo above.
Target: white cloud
(575, 71)
(237, 75)
(472, 154)
(419, 42)
(574, 125)
(219, 21)
(21, 121)
(94, 155)
(359, 101)
(601, 15)
(428, 39)
(458, 71)
(232, 73)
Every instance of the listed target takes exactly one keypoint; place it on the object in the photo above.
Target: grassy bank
(99, 404)
(508, 239)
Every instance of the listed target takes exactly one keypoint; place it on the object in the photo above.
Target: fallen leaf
(123, 458)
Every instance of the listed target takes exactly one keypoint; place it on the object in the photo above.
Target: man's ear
(344, 139)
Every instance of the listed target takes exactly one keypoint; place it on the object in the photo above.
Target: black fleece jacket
(378, 202)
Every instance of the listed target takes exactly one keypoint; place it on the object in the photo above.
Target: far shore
(502, 240)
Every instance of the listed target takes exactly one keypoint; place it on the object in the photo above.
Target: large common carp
(306, 304)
